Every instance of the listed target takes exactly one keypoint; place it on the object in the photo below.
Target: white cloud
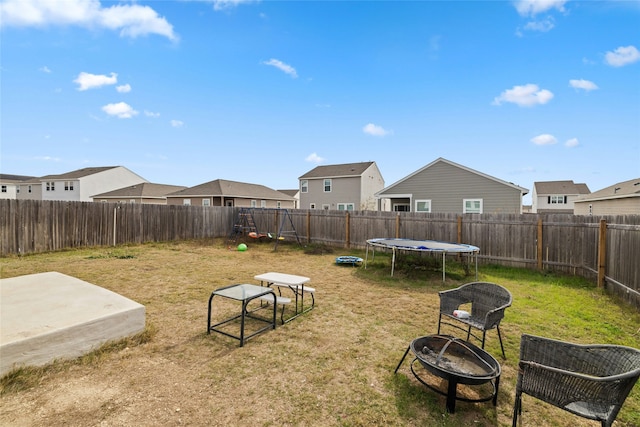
(124, 88)
(45, 69)
(151, 114)
(88, 81)
(583, 84)
(48, 158)
(573, 142)
(176, 123)
(121, 110)
(524, 96)
(542, 26)
(132, 20)
(544, 139)
(228, 4)
(622, 56)
(288, 69)
(375, 130)
(314, 158)
(534, 7)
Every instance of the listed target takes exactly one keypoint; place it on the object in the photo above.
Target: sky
(186, 92)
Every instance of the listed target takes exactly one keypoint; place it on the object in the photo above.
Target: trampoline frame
(460, 248)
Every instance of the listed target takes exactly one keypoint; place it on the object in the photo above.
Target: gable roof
(443, 160)
(620, 190)
(560, 187)
(80, 173)
(144, 190)
(221, 187)
(336, 171)
(291, 193)
(15, 178)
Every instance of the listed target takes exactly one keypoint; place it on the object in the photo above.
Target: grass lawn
(330, 367)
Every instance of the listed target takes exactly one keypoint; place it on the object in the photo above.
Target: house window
(327, 185)
(132, 201)
(50, 186)
(68, 186)
(229, 203)
(401, 207)
(4, 189)
(186, 202)
(254, 203)
(206, 202)
(472, 206)
(326, 207)
(557, 200)
(278, 204)
(304, 186)
(263, 203)
(345, 206)
(423, 206)
(312, 205)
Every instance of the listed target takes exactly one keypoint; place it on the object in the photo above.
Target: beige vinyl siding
(629, 205)
(447, 186)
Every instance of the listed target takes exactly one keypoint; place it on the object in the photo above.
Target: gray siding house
(221, 192)
(622, 198)
(349, 186)
(443, 186)
(556, 196)
(10, 185)
(145, 193)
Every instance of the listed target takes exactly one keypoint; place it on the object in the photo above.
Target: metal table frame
(244, 293)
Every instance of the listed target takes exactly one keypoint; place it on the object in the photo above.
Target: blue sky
(185, 92)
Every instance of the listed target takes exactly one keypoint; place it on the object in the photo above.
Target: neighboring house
(79, 185)
(556, 196)
(10, 185)
(443, 186)
(295, 194)
(622, 198)
(146, 193)
(350, 186)
(231, 193)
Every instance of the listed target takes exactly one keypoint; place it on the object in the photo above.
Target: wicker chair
(591, 381)
(488, 303)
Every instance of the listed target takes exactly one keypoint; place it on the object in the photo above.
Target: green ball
(242, 247)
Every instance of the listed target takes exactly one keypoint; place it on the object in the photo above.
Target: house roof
(560, 187)
(78, 173)
(620, 190)
(15, 178)
(145, 190)
(335, 171)
(221, 187)
(291, 193)
(443, 160)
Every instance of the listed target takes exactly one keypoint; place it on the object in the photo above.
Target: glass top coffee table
(245, 293)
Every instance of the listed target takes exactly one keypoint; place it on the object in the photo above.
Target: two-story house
(10, 185)
(443, 186)
(556, 196)
(622, 198)
(349, 186)
(79, 185)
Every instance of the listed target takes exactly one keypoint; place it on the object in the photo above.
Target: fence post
(398, 225)
(539, 253)
(348, 230)
(309, 227)
(602, 252)
(459, 229)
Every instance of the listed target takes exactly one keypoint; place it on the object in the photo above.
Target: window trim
(312, 205)
(345, 207)
(426, 201)
(324, 185)
(464, 206)
(186, 202)
(304, 186)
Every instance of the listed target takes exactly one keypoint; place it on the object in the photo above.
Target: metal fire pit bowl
(458, 362)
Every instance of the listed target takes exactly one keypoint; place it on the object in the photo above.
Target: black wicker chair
(591, 381)
(488, 303)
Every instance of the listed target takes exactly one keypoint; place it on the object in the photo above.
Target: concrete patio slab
(49, 316)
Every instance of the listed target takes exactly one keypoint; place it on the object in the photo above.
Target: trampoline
(432, 246)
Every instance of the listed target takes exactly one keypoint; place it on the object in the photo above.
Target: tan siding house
(443, 186)
(556, 196)
(622, 198)
(231, 193)
(146, 193)
(349, 186)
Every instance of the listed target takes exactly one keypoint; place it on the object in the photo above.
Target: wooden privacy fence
(603, 249)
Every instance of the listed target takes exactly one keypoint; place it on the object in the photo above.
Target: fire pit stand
(458, 362)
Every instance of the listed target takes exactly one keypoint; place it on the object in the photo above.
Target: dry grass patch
(330, 367)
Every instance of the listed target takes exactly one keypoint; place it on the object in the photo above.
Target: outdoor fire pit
(458, 362)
